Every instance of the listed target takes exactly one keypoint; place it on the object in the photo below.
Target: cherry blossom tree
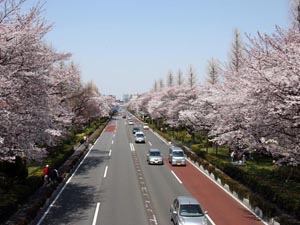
(24, 63)
(256, 105)
(262, 111)
(37, 88)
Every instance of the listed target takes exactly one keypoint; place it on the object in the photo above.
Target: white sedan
(130, 122)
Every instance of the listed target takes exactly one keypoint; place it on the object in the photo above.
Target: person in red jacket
(46, 174)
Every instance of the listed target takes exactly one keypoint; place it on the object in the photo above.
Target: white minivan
(176, 156)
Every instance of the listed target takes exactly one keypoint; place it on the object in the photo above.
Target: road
(114, 185)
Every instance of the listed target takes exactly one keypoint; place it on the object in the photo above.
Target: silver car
(155, 157)
(187, 210)
(176, 156)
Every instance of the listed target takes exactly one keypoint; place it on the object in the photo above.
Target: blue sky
(124, 46)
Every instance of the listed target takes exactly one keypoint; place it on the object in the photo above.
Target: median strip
(132, 147)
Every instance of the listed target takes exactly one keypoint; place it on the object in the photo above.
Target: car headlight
(181, 221)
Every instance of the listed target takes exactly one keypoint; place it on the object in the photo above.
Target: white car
(146, 127)
(140, 137)
(130, 122)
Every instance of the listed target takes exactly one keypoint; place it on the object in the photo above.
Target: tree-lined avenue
(106, 188)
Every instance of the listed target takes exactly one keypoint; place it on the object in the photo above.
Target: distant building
(128, 97)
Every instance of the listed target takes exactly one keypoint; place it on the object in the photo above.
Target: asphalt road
(114, 185)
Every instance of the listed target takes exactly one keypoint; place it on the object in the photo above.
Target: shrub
(211, 168)
(34, 182)
(16, 170)
(287, 220)
(8, 205)
(21, 191)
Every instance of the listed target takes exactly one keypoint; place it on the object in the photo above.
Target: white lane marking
(161, 138)
(155, 221)
(176, 177)
(112, 142)
(132, 147)
(105, 172)
(149, 143)
(210, 220)
(109, 154)
(96, 214)
(80, 164)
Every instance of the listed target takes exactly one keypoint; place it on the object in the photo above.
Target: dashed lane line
(176, 177)
(96, 214)
(105, 172)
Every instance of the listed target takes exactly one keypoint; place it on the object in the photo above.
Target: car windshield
(191, 210)
(136, 128)
(178, 154)
(154, 153)
(140, 135)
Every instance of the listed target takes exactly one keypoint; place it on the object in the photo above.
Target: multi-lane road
(114, 185)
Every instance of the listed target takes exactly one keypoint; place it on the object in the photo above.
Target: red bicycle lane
(110, 128)
(222, 208)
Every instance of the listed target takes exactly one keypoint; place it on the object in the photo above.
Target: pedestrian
(232, 155)
(86, 140)
(53, 175)
(46, 174)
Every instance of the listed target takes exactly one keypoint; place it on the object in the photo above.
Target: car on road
(146, 127)
(140, 137)
(187, 210)
(176, 156)
(154, 156)
(135, 129)
(130, 122)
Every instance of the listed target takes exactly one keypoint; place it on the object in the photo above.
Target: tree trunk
(206, 143)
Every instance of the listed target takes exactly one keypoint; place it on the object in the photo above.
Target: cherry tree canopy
(37, 87)
(256, 108)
